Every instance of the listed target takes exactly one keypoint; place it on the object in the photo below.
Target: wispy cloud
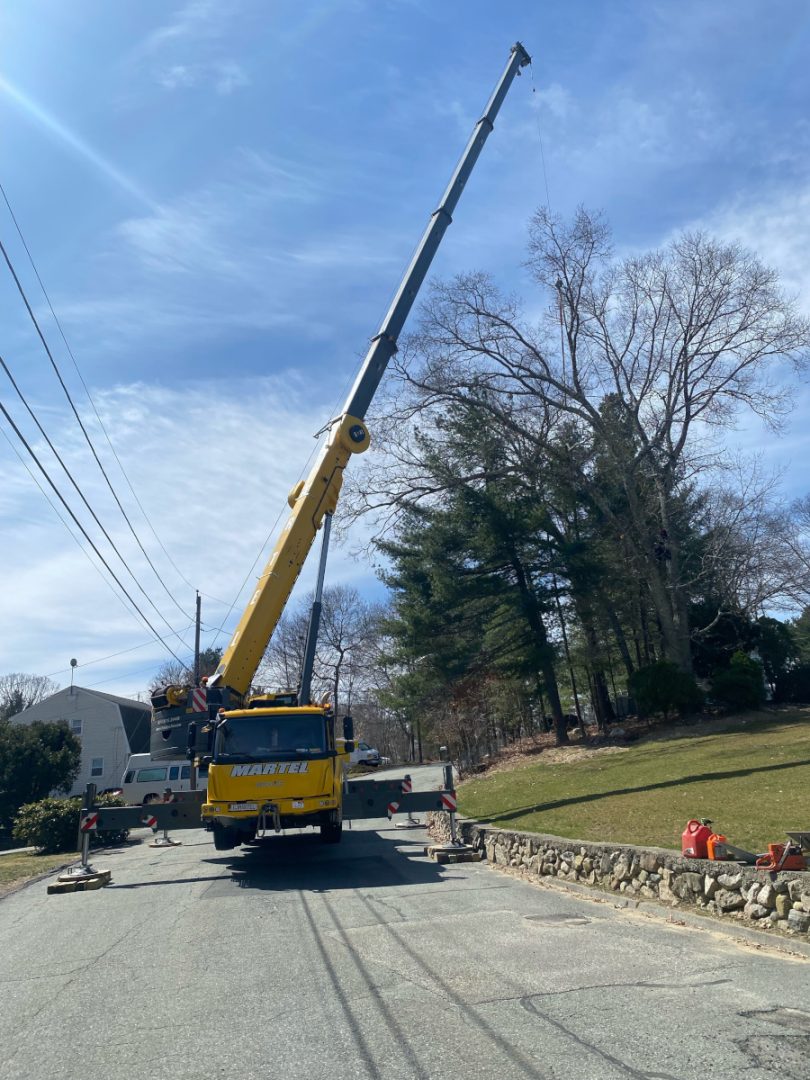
(195, 20)
(231, 256)
(185, 52)
(207, 444)
(775, 224)
(178, 76)
(225, 76)
(60, 130)
(230, 76)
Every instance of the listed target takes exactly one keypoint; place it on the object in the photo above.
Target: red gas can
(694, 837)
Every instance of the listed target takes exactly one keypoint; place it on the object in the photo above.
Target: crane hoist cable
(274, 526)
(75, 411)
(85, 534)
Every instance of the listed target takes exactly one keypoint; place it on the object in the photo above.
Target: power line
(79, 421)
(111, 656)
(79, 491)
(73, 536)
(82, 529)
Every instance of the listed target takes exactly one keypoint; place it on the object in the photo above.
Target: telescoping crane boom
(278, 758)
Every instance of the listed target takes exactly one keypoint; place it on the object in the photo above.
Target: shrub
(794, 685)
(663, 687)
(741, 685)
(52, 825)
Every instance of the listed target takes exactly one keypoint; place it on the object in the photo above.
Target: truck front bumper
(291, 811)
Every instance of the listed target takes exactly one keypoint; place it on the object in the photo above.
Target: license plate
(297, 805)
(243, 806)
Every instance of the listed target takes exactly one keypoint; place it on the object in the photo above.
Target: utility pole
(197, 643)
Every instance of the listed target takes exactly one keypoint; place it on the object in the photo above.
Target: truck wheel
(331, 833)
(225, 839)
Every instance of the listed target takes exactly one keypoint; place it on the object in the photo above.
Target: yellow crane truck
(277, 761)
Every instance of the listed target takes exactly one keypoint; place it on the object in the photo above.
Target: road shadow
(363, 860)
(696, 778)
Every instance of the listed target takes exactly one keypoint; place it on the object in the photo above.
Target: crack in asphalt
(387, 904)
(529, 1005)
(606, 986)
(465, 1010)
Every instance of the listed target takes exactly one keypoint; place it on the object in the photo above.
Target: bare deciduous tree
(19, 691)
(344, 643)
(658, 353)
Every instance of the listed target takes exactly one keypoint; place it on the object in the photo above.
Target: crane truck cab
(276, 765)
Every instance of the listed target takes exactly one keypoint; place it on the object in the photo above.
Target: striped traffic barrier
(89, 821)
(392, 809)
(449, 801)
(410, 822)
(150, 821)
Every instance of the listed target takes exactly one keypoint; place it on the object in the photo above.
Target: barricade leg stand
(83, 877)
(410, 822)
(456, 850)
(165, 841)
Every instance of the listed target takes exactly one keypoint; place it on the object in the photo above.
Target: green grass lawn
(752, 779)
(17, 868)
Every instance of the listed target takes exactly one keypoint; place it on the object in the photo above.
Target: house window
(97, 766)
(76, 726)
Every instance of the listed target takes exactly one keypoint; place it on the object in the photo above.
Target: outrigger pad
(81, 883)
(453, 853)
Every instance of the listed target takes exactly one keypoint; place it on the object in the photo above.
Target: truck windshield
(257, 738)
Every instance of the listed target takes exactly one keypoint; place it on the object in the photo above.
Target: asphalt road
(296, 960)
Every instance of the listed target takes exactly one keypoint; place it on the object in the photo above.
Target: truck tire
(225, 839)
(332, 833)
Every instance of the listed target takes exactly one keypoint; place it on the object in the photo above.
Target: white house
(110, 728)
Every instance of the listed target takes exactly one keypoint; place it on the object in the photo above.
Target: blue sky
(221, 195)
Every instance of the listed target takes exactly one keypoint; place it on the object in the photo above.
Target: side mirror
(191, 742)
(348, 729)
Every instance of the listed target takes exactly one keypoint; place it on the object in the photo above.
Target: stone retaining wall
(769, 900)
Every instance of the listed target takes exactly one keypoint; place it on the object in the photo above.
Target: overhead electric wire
(58, 373)
(81, 494)
(111, 656)
(73, 536)
(81, 527)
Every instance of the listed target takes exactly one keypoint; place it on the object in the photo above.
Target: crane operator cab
(274, 768)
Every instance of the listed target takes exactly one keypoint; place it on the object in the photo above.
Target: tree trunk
(621, 639)
(537, 626)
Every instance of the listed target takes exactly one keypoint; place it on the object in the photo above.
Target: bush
(52, 825)
(794, 685)
(664, 688)
(740, 686)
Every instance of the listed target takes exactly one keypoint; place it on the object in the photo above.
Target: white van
(145, 780)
